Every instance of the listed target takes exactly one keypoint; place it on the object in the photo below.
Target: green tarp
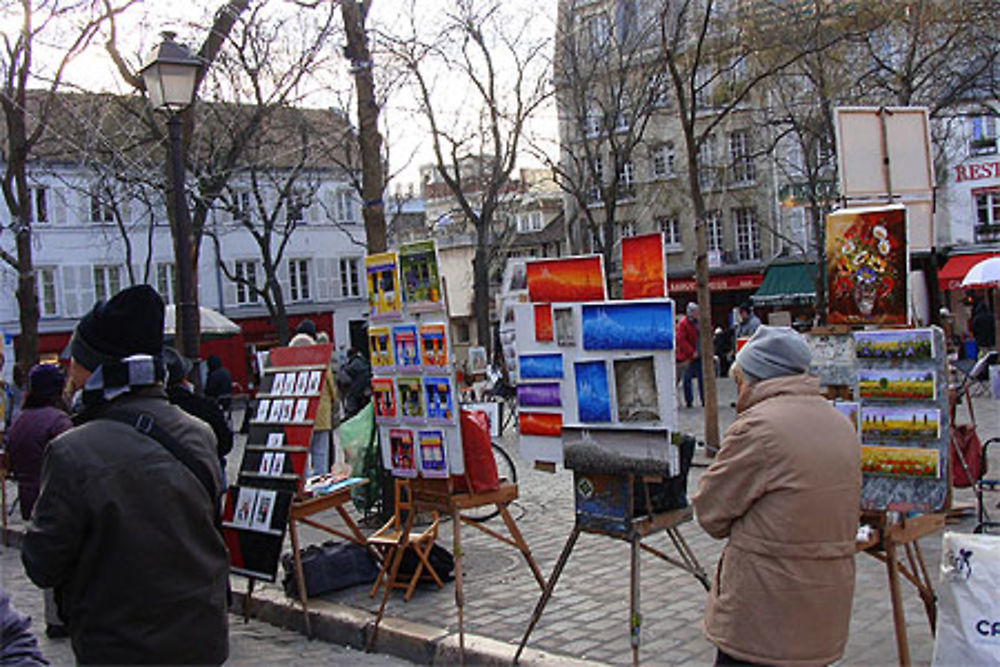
(787, 284)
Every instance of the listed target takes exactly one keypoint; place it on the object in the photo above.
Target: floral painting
(866, 269)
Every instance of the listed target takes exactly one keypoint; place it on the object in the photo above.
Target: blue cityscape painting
(592, 398)
(629, 326)
(540, 366)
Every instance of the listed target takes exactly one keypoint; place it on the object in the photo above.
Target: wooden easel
(437, 495)
(884, 545)
(631, 526)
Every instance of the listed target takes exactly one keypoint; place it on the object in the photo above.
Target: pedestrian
(43, 416)
(219, 383)
(688, 351)
(785, 489)
(125, 527)
(322, 437)
(355, 378)
(748, 322)
(983, 327)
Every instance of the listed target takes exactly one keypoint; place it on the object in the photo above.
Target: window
(626, 181)
(246, 280)
(241, 205)
(747, 237)
(593, 121)
(462, 334)
(706, 170)
(298, 280)
(166, 280)
(296, 205)
(739, 153)
(101, 210)
(984, 136)
(988, 216)
(347, 207)
(713, 230)
(628, 229)
(46, 278)
(703, 86)
(39, 205)
(529, 222)
(350, 276)
(597, 172)
(599, 32)
(671, 228)
(663, 160)
(107, 281)
(797, 231)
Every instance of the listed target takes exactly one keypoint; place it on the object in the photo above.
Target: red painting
(643, 267)
(567, 279)
(541, 423)
(543, 322)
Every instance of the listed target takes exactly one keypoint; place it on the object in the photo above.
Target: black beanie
(307, 327)
(131, 322)
(46, 381)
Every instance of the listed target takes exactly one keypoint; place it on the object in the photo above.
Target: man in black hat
(125, 525)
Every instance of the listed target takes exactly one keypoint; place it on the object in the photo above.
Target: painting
(894, 344)
(275, 414)
(411, 403)
(565, 331)
(892, 384)
(301, 382)
(543, 322)
(566, 279)
(315, 378)
(900, 423)
(380, 349)
(263, 510)
(263, 405)
(438, 399)
(477, 360)
(276, 439)
(540, 366)
(245, 501)
(912, 462)
(383, 286)
(404, 339)
(543, 395)
(404, 463)
(384, 396)
(851, 410)
(593, 400)
(434, 345)
(301, 408)
(832, 358)
(432, 454)
(867, 266)
(540, 423)
(628, 326)
(644, 270)
(418, 272)
(635, 387)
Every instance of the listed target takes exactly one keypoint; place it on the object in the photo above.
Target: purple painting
(544, 395)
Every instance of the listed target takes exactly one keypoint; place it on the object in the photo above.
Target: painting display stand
(889, 542)
(607, 505)
(438, 495)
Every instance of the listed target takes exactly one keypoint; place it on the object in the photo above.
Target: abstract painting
(628, 326)
(888, 383)
(900, 423)
(437, 399)
(901, 462)
(540, 366)
(383, 288)
(404, 462)
(543, 395)
(433, 345)
(593, 399)
(566, 279)
(635, 387)
(380, 349)
(543, 322)
(384, 396)
(404, 338)
(411, 403)
(643, 267)
(418, 270)
(894, 344)
(432, 456)
(540, 423)
(565, 331)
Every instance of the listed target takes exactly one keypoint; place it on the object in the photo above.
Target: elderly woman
(785, 489)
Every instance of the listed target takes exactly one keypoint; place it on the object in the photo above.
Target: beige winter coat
(785, 489)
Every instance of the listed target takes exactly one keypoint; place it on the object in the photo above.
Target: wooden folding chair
(395, 537)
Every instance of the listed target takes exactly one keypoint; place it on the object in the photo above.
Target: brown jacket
(785, 489)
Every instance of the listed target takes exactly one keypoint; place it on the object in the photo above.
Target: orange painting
(566, 279)
(541, 423)
(643, 270)
(543, 322)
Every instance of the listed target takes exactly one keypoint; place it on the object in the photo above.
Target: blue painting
(540, 366)
(592, 398)
(629, 326)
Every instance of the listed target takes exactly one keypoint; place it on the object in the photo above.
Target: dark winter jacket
(26, 444)
(206, 410)
(983, 326)
(126, 534)
(358, 391)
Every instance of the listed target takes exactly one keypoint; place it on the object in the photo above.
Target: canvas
(301, 382)
(380, 349)
(593, 398)
(301, 408)
(404, 463)
(628, 326)
(433, 345)
(566, 279)
(384, 397)
(404, 339)
(478, 363)
(635, 387)
(543, 322)
(911, 344)
(644, 268)
(544, 395)
(904, 423)
(383, 286)
(411, 404)
(432, 454)
(540, 366)
(565, 328)
(315, 378)
(438, 402)
(914, 462)
(892, 384)
(540, 423)
(421, 280)
(867, 266)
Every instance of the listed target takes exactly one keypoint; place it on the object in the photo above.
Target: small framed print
(275, 414)
(262, 407)
(278, 384)
(301, 382)
(301, 406)
(277, 464)
(287, 407)
(275, 439)
(312, 387)
(263, 510)
(243, 512)
(265, 463)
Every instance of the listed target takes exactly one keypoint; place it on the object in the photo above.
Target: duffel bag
(330, 566)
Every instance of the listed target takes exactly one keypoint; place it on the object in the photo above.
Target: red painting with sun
(541, 423)
(567, 279)
(643, 267)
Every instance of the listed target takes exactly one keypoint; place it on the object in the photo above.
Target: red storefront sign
(742, 281)
(976, 172)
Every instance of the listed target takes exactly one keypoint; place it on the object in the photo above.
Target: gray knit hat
(773, 352)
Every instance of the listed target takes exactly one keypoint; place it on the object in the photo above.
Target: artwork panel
(404, 339)
(911, 344)
(439, 402)
(628, 326)
(542, 395)
(246, 500)
(411, 402)
(540, 423)
(543, 322)
(315, 378)
(433, 459)
(301, 407)
(382, 274)
(420, 276)
(434, 345)
(644, 268)
(263, 510)
(264, 467)
(276, 439)
(301, 383)
(478, 360)
(275, 414)
(851, 410)
(384, 397)
(567, 279)
(893, 384)
(636, 390)
(380, 349)
(908, 462)
(903, 423)
(565, 326)
(540, 366)
(593, 395)
(277, 464)
(263, 408)
(402, 452)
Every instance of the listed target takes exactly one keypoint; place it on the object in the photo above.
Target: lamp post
(170, 80)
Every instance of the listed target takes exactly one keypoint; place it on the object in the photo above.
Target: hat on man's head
(773, 352)
(177, 366)
(131, 322)
(307, 327)
(692, 308)
(46, 380)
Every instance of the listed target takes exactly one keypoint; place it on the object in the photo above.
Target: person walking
(43, 416)
(785, 490)
(748, 322)
(219, 383)
(181, 393)
(688, 351)
(322, 437)
(356, 382)
(124, 527)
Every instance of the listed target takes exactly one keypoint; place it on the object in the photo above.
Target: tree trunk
(277, 310)
(27, 300)
(481, 286)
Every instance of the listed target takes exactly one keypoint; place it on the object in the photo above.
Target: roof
(787, 284)
(553, 232)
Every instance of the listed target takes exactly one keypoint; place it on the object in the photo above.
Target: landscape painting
(542, 395)
(540, 366)
(540, 423)
(643, 267)
(635, 387)
(593, 400)
(543, 322)
(628, 326)
(566, 279)
(894, 344)
(913, 462)
(895, 384)
(900, 423)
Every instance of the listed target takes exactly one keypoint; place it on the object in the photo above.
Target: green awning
(787, 284)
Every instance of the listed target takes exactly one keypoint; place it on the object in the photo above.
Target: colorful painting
(543, 322)
(912, 462)
(383, 286)
(404, 462)
(411, 404)
(900, 423)
(566, 279)
(894, 344)
(380, 349)
(565, 331)
(593, 400)
(432, 454)
(437, 399)
(851, 410)
(477, 360)
(894, 384)
(628, 326)
(635, 387)
(644, 270)
(867, 266)
(384, 396)
(540, 366)
(434, 345)
(418, 270)
(540, 423)
(544, 395)
(404, 339)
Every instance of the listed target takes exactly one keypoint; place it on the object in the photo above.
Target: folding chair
(395, 537)
(975, 375)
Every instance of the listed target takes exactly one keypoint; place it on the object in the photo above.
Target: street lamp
(170, 80)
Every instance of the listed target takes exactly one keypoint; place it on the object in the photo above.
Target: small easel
(612, 509)
(884, 545)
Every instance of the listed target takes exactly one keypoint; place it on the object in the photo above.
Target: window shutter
(82, 208)
(57, 200)
(71, 291)
(229, 287)
(324, 278)
(313, 210)
(335, 283)
(126, 209)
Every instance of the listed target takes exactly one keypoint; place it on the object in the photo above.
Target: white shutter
(313, 210)
(86, 287)
(82, 208)
(336, 290)
(229, 288)
(71, 291)
(126, 209)
(57, 200)
(323, 279)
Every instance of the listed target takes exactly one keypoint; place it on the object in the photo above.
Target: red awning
(742, 281)
(950, 275)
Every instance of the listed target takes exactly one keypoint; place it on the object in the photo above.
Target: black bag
(440, 559)
(671, 493)
(330, 566)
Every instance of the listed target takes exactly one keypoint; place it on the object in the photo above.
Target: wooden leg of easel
(521, 544)
(635, 617)
(456, 527)
(898, 616)
(549, 587)
(300, 579)
(246, 602)
(924, 587)
(397, 558)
